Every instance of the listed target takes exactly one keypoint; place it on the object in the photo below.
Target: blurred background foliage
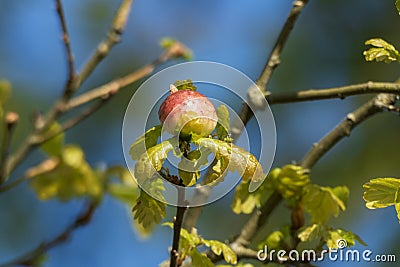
(324, 50)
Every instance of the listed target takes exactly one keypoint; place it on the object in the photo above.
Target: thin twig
(31, 257)
(113, 37)
(12, 184)
(272, 62)
(68, 50)
(175, 51)
(11, 119)
(274, 58)
(335, 92)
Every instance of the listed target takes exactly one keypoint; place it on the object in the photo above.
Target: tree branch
(335, 92)
(376, 105)
(177, 50)
(274, 58)
(36, 137)
(33, 256)
(11, 119)
(113, 37)
(68, 50)
(273, 61)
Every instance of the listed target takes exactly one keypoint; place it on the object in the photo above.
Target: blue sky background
(325, 50)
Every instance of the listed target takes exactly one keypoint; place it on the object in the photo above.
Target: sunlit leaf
(289, 180)
(397, 203)
(245, 202)
(339, 238)
(185, 85)
(311, 237)
(273, 241)
(188, 171)
(54, 146)
(147, 140)
(152, 160)
(381, 51)
(168, 42)
(398, 6)
(200, 259)
(381, 192)
(322, 202)
(148, 211)
(237, 158)
(64, 178)
(223, 124)
(218, 247)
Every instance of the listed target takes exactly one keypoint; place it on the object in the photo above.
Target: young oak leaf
(200, 259)
(245, 201)
(151, 161)
(54, 146)
(218, 247)
(382, 192)
(149, 211)
(64, 178)
(323, 202)
(381, 51)
(145, 141)
(339, 238)
(223, 123)
(289, 180)
(236, 157)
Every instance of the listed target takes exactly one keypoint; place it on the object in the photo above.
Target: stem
(180, 212)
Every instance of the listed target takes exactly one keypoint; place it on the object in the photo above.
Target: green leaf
(381, 192)
(54, 146)
(200, 259)
(398, 6)
(167, 43)
(311, 237)
(223, 124)
(218, 247)
(149, 211)
(145, 141)
(382, 51)
(188, 241)
(245, 202)
(290, 180)
(64, 178)
(235, 157)
(273, 241)
(152, 160)
(188, 171)
(339, 238)
(397, 203)
(322, 202)
(185, 85)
